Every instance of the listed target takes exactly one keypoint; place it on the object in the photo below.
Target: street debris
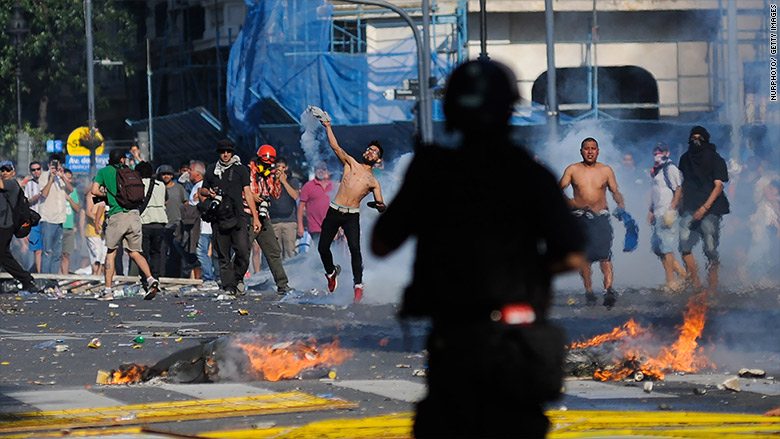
(699, 391)
(648, 387)
(752, 373)
(236, 358)
(419, 373)
(94, 343)
(730, 384)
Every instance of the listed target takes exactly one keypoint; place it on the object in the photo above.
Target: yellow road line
(168, 412)
(566, 424)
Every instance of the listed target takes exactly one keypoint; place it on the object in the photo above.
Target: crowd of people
(206, 221)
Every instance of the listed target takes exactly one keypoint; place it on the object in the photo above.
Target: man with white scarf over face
(229, 179)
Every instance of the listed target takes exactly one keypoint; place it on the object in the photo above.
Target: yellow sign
(79, 135)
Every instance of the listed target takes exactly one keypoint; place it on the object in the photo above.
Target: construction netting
(284, 58)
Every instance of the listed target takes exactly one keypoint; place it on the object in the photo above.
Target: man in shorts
(590, 180)
(122, 225)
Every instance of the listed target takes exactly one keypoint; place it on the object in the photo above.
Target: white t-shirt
(31, 189)
(205, 227)
(52, 208)
(661, 195)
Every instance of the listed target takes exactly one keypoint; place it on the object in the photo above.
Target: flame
(286, 360)
(628, 329)
(684, 355)
(128, 374)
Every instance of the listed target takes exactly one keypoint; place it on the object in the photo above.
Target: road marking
(57, 399)
(221, 391)
(401, 390)
(174, 411)
(590, 389)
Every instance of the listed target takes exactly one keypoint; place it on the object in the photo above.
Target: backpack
(130, 193)
(24, 217)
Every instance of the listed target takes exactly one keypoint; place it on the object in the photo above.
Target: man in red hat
(265, 187)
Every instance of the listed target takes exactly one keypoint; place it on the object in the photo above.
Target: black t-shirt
(232, 184)
(282, 209)
(700, 169)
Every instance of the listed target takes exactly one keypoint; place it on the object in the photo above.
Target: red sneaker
(333, 281)
(358, 293)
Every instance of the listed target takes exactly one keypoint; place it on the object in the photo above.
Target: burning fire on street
(636, 361)
(242, 358)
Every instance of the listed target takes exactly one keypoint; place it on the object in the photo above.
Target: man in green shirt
(121, 225)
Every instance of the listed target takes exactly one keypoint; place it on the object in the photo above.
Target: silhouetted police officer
(486, 251)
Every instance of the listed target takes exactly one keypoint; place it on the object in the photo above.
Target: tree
(53, 54)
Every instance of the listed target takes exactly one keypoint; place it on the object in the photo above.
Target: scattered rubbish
(263, 425)
(384, 341)
(128, 417)
(563, 408)
(179, 339)
(46, 344)
(124, 344)
(94, 343)
(225, 297)
(419, 373)
(698, 391)
(663, 406)
(403, 366)
(139, 339)
(332, 374)
(243, 312)
(62, 348)
(752, 373)
(187, 331)
(102, 377)
(137, 346)
(42, 325)
(5, 363)
(157, 315)
(113, 305)
(41, 383)
(730, 384)
(648, 387)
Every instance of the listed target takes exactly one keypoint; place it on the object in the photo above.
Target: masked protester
(266, 187)
(489, 314)
(664, 200)
(703, 204)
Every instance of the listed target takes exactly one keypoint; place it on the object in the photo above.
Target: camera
(214, 203)
(54, 164)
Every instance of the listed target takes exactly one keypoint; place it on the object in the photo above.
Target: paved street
(372, 393)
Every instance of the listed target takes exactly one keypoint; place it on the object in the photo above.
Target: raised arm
(334, 144)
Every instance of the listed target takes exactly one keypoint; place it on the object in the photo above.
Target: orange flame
(628, 329)
(128, 374)
(286, 360)
(683, 356)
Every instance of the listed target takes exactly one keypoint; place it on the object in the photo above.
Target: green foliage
(8, 142)
(53, 53)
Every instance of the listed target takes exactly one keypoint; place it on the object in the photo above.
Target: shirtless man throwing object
(590, 180)
(357, 181)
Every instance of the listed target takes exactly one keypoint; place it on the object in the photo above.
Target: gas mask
(659, 159)
(696, 142)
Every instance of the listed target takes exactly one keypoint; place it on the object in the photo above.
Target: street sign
(53, 146)
(80, 163)
(75, 139)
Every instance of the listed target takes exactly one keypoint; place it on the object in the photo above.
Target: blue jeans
(51, 237)
(206, 266)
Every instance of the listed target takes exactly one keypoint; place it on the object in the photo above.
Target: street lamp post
(17, 28)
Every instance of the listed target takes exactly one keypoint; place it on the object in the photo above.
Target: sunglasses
(35, 169)
(6, 169)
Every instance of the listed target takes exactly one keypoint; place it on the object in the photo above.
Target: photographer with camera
(54, 191)
(265, 186)
(231, 227)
